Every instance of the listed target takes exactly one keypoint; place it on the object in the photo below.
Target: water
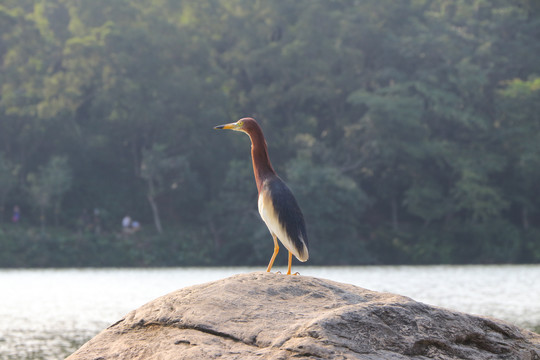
(48, 314)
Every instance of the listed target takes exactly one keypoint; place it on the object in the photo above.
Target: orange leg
(276, 250)
(290, 263)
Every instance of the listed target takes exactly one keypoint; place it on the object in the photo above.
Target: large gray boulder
(273, 316)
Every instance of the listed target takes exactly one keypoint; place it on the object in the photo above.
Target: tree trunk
(395, 223)
(153, 205)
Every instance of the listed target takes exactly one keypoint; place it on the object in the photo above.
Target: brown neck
(262, 168)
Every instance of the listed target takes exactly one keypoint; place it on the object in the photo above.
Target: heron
(277, 205)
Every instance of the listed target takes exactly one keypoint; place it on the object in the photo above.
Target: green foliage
(29, 247)
(427, 201)
(47, 187)
(156, 168)
(409, 131)
(8, 180)
(333, 206)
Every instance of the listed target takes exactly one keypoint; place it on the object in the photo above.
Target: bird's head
(244, 125)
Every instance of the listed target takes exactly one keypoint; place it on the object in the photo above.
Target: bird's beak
(231, 126)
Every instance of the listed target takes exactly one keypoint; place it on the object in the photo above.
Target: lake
(49, 313)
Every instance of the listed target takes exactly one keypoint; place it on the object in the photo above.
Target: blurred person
(126, 224)
(135, 226)
(16, 214)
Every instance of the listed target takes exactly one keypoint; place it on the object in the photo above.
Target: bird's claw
(279, 272)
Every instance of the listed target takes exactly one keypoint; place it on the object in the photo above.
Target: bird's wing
(283, 216)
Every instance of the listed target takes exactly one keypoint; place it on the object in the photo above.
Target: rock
(273, 316)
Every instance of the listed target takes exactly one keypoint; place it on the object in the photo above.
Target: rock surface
(273, 316)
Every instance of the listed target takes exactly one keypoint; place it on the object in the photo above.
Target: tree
(8, 180)
(418, 119)
(334, 206)
(161, 173)
(519, 127)
(48, 185)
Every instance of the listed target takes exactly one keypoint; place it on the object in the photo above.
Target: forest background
(408, 130)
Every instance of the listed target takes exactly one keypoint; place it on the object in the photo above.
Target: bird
(277, 205)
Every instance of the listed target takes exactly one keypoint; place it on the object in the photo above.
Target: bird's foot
(279, 272)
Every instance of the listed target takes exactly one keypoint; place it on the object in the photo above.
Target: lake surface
(48, 314)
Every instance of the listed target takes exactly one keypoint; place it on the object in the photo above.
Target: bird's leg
(276, 250)
(289, 268)
(290, 263)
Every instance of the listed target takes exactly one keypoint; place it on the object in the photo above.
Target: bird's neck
(262, 168)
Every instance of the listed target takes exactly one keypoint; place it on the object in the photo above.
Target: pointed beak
(231, 126)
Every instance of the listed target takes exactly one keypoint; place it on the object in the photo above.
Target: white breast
(271, 219)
